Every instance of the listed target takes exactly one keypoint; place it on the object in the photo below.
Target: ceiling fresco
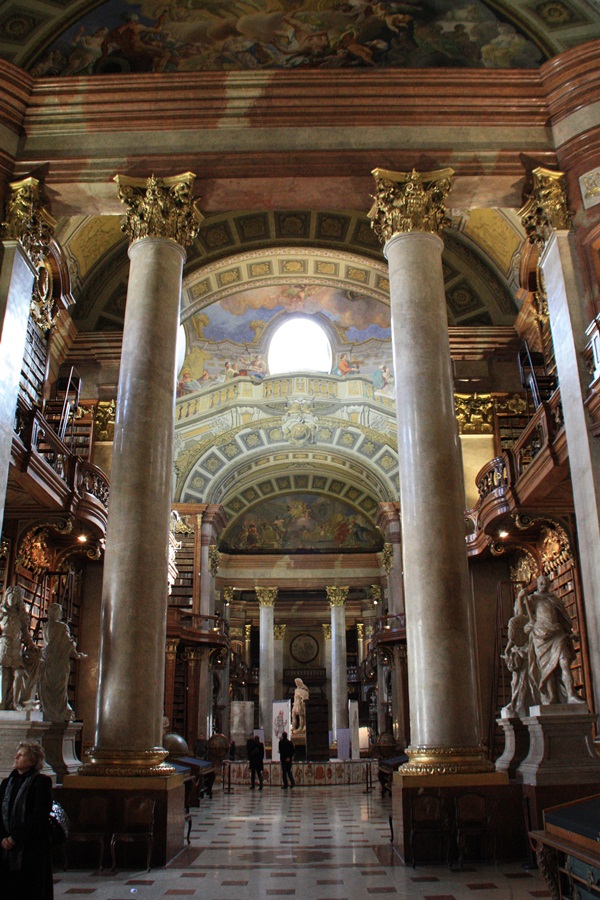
(300, 522)
(209, 35)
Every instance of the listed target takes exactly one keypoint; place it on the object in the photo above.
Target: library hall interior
(300, 447)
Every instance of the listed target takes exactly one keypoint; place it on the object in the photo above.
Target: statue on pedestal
(19, 670)
(517, 656)
(301, 695)
(551, 636)
(59, 649)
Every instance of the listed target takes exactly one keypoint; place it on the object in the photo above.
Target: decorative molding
(387, 558)
(326, 626)
(409, 201)
(446, 761)
(214, 560)
(279, 632)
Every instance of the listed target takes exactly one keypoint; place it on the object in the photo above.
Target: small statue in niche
(301, 695)
(19, 669)
(551, 638)
(59, 649)
(516, 655)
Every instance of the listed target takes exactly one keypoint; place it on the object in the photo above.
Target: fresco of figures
(225, 340)
(301, 522)
(222, 35)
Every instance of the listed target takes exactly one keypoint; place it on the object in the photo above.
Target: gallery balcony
(388, 630)
(45, 468)
(527, 475)
(198, 630)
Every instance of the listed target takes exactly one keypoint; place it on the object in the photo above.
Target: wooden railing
(195, 628)
(74, 485)
(516, 477)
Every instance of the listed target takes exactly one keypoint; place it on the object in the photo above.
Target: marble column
(224, 699)
(546, 220)
(266, 683)
(206, 579)
(279, 638)
(381, 694)
(26, 232)
(408, 215)
(205, 692)
(388, 520)
(327, 647)
(360, 640)
(400, 697)
(160, 220)
(337, 597)
(170, 664)
(247, 645)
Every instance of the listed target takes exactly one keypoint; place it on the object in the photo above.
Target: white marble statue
(19, 670)
(301, 695)
(551, 637)
(59, 649)
(517, 655)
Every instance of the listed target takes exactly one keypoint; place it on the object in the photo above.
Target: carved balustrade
(197, 629)
(389, 629)
(74, 485)
(517, 478)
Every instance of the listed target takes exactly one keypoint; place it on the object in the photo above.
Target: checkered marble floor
(329, 843)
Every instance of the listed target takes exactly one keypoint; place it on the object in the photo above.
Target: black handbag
(59, 825)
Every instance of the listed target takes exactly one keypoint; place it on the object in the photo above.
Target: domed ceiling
(58, 37)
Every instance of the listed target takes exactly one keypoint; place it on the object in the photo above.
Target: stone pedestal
(21, 725)
(516, 745)
(560, 746)
(168, 795)
(59, 744)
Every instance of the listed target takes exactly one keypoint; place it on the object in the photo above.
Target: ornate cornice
(337, 596)
(160, 207)
(266, 595)
(546, 208)
(409, 201)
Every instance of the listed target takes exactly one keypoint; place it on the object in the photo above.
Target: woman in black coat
(25, 804)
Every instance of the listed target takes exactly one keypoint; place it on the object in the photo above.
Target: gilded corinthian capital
(546, 208)
(337, 596)
(409, 201)
(266, 595)
(160, 207)
(27, 221)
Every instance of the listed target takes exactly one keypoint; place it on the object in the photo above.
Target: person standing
(286, 755)
(256, 755)
(25, 804)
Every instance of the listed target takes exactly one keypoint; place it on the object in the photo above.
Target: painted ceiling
(58, 37)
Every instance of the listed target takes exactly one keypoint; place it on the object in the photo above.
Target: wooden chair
(429, 821)
(138, 822)
(89, 827)
(472, 824)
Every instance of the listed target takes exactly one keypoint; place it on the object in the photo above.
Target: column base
(127, 763)
(446, 761)
(168, 795)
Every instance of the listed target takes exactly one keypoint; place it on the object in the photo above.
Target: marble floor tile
(317, 843)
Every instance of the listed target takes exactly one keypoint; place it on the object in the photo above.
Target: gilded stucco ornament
(546, 208)
(160, 207)
(326, 626)
(33, 227)
(337, 596)
(474, 413)
(409, 201)
(266, 595)
(214, 560)
(125, 763)
(387, 558)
